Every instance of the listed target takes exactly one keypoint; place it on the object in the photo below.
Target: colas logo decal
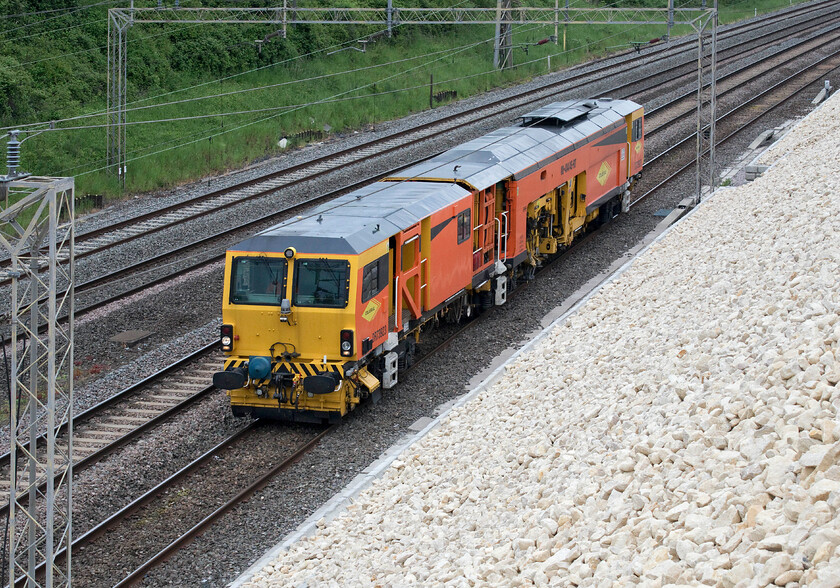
(603, 173)
(371, 310)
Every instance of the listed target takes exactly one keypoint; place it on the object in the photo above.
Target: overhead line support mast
(37, 234)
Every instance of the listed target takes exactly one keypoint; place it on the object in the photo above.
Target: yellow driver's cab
(291, 310)
(314, 309)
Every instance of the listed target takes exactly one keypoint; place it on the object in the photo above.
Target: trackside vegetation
(205, 98)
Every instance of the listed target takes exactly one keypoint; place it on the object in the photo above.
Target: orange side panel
(602, 176)
(518, 212)
(449, 263)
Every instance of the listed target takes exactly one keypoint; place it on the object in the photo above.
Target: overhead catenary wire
(293, 107)
(46, 20)
(51, 124)
(227, 94)
(211, 82)
(264, 119)
(277, 111)
(63, 29)
(332, 99)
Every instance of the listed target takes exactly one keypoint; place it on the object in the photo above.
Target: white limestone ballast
(682, 427)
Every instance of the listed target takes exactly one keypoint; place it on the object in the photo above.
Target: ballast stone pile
(682, 428)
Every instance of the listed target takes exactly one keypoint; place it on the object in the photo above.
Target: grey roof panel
(543, 151)
(623, 107)
(603, 120)
(586, 128)
(357, 221)
(573, 135)
(511, 150)
(514, 164)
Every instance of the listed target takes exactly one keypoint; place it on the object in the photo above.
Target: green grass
(459, 58)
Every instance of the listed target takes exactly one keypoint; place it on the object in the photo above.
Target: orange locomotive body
(325, 309)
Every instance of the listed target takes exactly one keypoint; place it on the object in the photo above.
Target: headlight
(346, 342)
(226, 337)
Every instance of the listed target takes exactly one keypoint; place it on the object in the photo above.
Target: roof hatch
(552, 116)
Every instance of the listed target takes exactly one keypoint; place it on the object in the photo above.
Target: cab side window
(637, 130)
(464, 228)
(374, 277)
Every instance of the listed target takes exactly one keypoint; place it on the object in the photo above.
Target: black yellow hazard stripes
(301, 369)
(306, 369)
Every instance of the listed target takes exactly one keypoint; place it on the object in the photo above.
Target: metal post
(32, 462)
(670, 17)
(390, 12)
(117, 80)
(565, 23)
(507, 34)
(498, 38)
(712, 97)
(37, 233)
(503, 51)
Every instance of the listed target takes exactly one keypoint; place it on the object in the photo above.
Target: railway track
(110, 425)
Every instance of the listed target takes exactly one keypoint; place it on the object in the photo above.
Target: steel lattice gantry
(406, 16)
(702, 20)
(37, 236)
